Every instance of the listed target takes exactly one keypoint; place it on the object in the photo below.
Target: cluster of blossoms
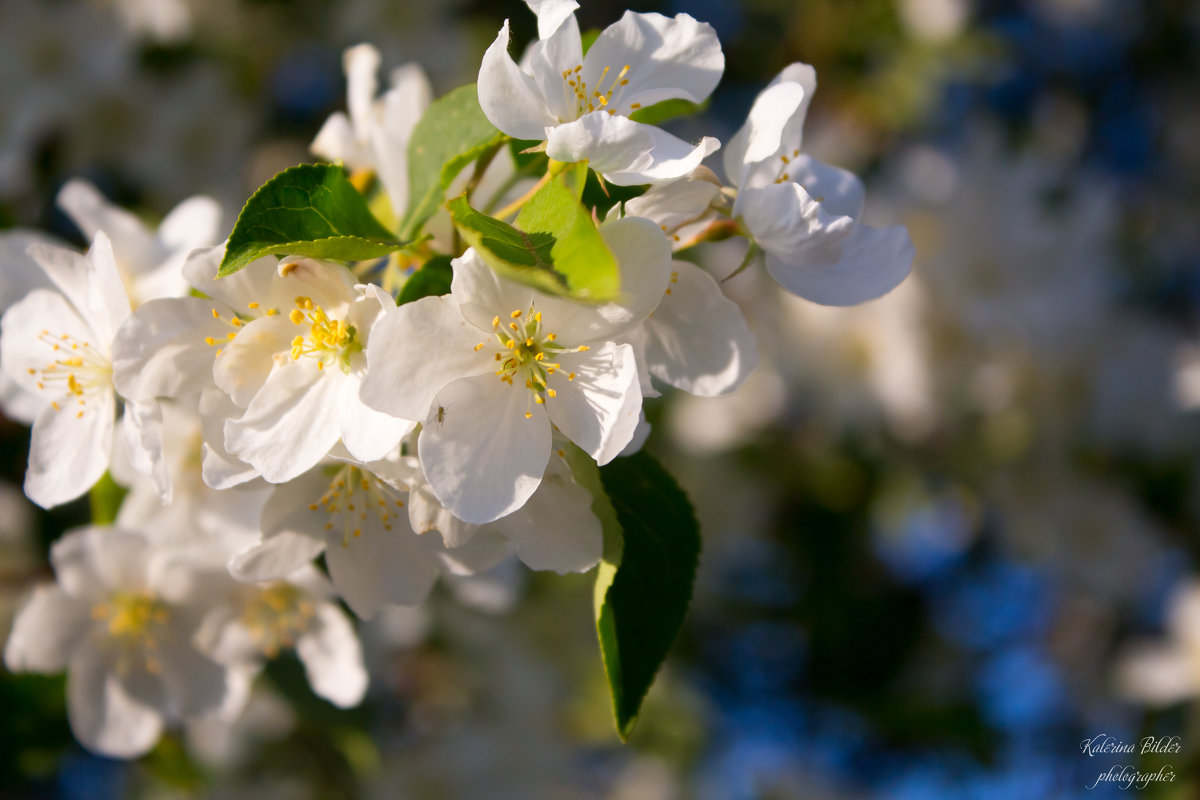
(293, 410)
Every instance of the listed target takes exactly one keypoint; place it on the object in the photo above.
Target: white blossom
(580, 105)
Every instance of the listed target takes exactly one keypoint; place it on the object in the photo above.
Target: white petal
(414, 351)
(554, 53)
(838, 191)
(482, 456)
(509, 98)
(69, 450)
(194, 683)
(481, 293)
(67, 270)
(291, 423)
(160, 351)
(103, 717)
(332, 658)
(556, 530)
(258, 282)
(676, 202)
(20, 274)
(790, 225)
(335, 141)
(1158, 674)
(426, 514)
(368, 434)
(698, 339)
(485, 550)
(361, 64)
(379, 566)
(246, 362)
(598, 410)
(225, 638)
(771, 132)
(92, 212)
(625, 152)
(142, 433)
(403, 106)
(25, 351)
(551, 14)
(218, 469)
(277, 556)
(668, 57)
(194, 223)
(107, 304)
(871, 262)
(49, 627)
(89, 563)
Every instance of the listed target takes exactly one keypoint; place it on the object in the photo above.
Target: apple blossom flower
(1166, 672)
(375, 134)
(56, 345)
(355, 514)
(684, 208)
(492, 366)
(257, 621)
(805, 214)
(581, 105)
(148, 261)
(120, 619)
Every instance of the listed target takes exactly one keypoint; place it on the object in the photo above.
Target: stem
(751, 255)
(515, 206)
(481, 165)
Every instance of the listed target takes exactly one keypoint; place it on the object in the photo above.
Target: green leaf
(667, 109)
(451, 134)
(105, 499)
(310, 210)
(433, 278)
(642, 600)
(579, 252)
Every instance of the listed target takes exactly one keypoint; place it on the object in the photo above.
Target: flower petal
(510, 98)
(368, 434)
(49, 627)
(556, 530)
(481, 454)
(194, 683)
(402, 107)
(870, 263)
(69, 450)
(667, 57)
(142, 434)
(789, 224)
(698, 339)
(160, 351)
(290, 424)
(361, 64)
(598, 410)
(414, 351)
(380, 567)
(92, 212)
(246, 362)
(29, 332)
(103, 717)
(551, 14)
(90, 563)
(773, 128)
(627, 153)
(332, 658)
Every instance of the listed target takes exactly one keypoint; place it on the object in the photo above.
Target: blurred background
(945, 532)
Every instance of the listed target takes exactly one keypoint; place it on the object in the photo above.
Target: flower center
(329, 341)
(135, 623)
(79, 370)
(589, 99)
(276, 616)
(354, 495)
(528, 352)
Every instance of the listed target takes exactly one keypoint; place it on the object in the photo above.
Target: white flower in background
(149, 261)
(163, 21)
(492, 366)
(375, 134)
(1166, 672)
(56, 344)
(121, 620)
(257, 622)
(581, 104)
(805, 214)
(356, 515)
